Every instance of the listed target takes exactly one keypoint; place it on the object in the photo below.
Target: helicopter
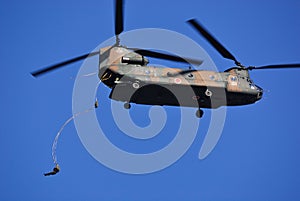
(126, 72)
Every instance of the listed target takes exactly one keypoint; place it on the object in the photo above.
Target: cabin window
(169, 74)
(211, 77)
(190, 75)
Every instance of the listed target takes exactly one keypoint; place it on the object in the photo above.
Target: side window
(190, 76)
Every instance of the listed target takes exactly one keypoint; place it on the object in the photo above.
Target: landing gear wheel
(208, 93)
(127, 106)
(199, 113)
(136, 85)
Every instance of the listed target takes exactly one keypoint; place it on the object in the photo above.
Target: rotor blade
(169, 57)
(61, 64)
(187, 71)
(184, 72)
(218, 46)
(118, 17)
(277, 66)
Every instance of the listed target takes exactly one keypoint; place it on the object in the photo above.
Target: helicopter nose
(259, 92)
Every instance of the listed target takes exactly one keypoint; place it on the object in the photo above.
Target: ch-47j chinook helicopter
(126, 71)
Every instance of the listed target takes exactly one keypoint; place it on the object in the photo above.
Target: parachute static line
(105, 77)
(90, 74)
(85, 75)
(56, 169)
(54, 145)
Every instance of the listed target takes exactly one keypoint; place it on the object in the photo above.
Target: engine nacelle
(137, 60)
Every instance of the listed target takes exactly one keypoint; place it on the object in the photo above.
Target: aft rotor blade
(61, 64)
(218, 46)
(276, 66)
(184, 72)
(118, 17)
(164, 56)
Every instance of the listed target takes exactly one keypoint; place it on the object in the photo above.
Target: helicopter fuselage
(132, 81)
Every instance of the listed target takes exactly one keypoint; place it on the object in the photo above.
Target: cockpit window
(233, 78)
(252, 86)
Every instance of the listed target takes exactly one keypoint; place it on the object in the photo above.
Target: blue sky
(256, 157)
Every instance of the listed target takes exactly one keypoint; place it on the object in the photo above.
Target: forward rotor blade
(164, 56)
(277, 66)
(61, 64)
(118, 17)
(218, 46)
